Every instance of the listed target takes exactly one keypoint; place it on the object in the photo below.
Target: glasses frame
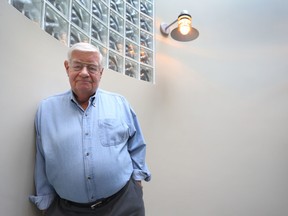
(81, 65)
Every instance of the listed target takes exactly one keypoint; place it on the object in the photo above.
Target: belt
(96, 203)
(92, 205)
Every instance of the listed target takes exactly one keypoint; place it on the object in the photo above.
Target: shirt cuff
(139, 175)
(42, 202)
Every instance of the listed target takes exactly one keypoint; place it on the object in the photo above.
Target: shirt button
(87, 154)
(89, 178)
(86, 134)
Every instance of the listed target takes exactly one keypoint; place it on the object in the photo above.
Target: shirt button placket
(87, 154)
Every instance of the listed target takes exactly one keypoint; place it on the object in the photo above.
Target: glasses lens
(78, 66)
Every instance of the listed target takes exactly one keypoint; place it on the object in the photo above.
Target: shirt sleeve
(45, 193)
(137, 150)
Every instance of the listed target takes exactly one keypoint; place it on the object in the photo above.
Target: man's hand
(139, 183)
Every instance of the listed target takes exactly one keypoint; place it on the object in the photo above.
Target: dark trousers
(128, 202)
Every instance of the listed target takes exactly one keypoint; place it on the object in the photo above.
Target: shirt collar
(73, 98)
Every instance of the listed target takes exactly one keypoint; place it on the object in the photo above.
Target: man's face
(84, 72)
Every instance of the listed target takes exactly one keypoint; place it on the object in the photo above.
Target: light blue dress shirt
(85, 155)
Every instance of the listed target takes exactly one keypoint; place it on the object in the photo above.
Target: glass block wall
(122, 29)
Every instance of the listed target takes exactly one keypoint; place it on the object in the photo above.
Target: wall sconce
(184, 31)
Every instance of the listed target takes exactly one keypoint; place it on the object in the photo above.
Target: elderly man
(90, 157)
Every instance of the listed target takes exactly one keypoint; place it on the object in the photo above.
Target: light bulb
(184, 24)
(184, 29)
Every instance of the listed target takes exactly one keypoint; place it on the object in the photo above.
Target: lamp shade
(177, 35)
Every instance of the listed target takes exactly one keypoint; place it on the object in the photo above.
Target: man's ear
(101, 72)
(66, 65)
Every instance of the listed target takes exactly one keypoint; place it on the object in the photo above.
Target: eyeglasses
(78, 66)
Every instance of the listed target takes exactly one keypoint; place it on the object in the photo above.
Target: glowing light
(184, 23)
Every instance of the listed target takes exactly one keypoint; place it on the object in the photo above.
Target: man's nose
(84, 71)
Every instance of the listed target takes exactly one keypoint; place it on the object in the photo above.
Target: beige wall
(215, 121)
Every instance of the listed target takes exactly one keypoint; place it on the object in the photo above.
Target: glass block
(62, 6)
(116, 42)
(146, 24)
(118, 6)
(146, 7)
(146, 56)
(99, 31)
(134, 3)
(115, 62)
(103, 51)
(116, 23)
(80, 17)
(122, 29)
(132, 15)
(100, 10)
(77, 36)
(146, 40)
(132, 32)
(132, 50)
(56, 25)
(31, 9)
(146, 73)
(131, 68)
(85, 3)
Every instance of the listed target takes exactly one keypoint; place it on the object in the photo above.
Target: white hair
(85, 47)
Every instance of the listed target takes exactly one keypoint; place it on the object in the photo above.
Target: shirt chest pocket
(112, 132)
